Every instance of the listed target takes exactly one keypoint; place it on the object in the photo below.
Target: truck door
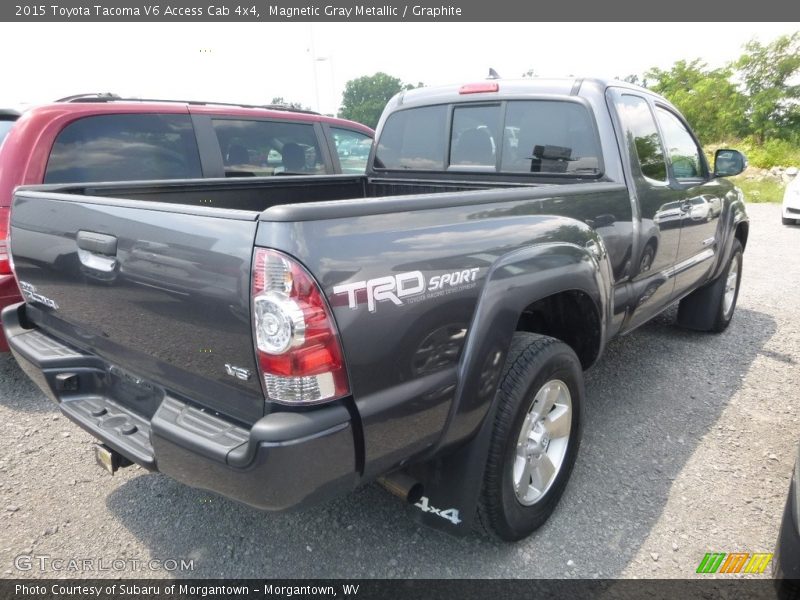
(699, 205)
(658, 236)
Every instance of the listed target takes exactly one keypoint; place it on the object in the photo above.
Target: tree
(766, 72)
(278, 100)
(364, 98)
(708, 98)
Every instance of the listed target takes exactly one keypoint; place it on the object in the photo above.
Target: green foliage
(767, 72)
(706, 97)
(364, 98)
(760, 190)
(755, 99)
(773, 152)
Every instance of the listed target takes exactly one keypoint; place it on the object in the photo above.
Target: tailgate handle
(97, 243)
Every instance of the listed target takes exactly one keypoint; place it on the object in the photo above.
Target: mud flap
(452, 484)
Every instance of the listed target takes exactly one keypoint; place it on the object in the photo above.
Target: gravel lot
(688, 446)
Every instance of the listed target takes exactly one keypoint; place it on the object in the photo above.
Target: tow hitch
(109, 459)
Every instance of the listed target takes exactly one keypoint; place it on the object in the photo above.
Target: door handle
(97, 251)
(97, 243)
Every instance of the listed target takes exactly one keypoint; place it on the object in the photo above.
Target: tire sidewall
(737, 256)
(557, 363)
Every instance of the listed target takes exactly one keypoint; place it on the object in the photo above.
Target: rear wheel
(786, 221)
(535, 438)
(711, 307)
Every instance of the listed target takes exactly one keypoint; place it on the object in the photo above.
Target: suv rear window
(125, 148)
(518, 136)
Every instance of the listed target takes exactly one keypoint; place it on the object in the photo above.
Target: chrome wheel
(730, 287)
(542, 443)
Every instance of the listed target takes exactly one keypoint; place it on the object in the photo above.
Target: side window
(683, 152)
(125, 148)
(263, 148)
(639, 124)
(474, 138)
(353, 149)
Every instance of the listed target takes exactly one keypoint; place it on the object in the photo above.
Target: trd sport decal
(410, 286)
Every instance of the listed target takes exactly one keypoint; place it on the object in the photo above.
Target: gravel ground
(688, 448)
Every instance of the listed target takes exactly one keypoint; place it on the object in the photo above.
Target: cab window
(639, 124)
(684, 155)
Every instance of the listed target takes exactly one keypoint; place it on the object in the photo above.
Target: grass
(760, 190)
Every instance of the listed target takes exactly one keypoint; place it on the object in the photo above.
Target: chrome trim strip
(688, 263)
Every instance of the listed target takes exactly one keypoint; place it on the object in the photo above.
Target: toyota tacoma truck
(282, 341)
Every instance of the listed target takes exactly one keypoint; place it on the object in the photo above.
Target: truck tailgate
(162, 289)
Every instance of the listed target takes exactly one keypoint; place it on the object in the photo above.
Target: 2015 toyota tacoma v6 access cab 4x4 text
(282, 341)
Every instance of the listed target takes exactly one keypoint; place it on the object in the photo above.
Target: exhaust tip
(403, 486)
(415, 493)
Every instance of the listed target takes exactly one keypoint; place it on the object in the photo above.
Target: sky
(252, 63)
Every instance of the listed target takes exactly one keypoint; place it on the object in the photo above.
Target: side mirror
(729, 162)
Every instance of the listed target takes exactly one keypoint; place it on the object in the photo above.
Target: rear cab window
(547, 137)
(253, 148)
(125, 147)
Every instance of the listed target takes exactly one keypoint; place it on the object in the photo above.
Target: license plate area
(134, 392)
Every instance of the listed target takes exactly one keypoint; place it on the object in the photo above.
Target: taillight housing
(6, 268)
(298, 351)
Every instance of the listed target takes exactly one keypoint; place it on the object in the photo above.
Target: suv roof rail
(109, 97)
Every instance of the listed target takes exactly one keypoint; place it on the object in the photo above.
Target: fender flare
(453, 476)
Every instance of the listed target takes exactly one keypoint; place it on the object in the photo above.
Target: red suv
(102, 137)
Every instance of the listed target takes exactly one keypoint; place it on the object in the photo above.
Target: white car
(791, 202)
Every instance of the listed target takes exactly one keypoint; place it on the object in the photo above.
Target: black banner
(184, 11)
(382, 589)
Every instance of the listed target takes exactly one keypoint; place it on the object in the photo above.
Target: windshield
(517, 136)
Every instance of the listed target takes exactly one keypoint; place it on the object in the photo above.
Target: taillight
(479, 88)
(5, 257)
(297, 345)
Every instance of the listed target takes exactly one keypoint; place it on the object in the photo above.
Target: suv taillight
(297, 346)
(5, 226)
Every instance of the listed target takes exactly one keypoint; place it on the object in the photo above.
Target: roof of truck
(568, 86)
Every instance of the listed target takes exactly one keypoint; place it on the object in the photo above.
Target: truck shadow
(651, 399)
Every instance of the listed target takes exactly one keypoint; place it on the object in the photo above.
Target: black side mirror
(729, 162)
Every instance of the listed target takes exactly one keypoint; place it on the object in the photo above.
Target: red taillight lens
(479, 88)
(5, 257)
(297, 345)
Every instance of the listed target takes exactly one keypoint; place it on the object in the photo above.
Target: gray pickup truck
(282, 341)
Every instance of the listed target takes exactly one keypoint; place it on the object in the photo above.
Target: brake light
(479, 88)
(298, 350)
(5, 257)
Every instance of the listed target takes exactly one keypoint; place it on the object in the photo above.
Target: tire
(711, 307)
(507, 512)
(786, 221)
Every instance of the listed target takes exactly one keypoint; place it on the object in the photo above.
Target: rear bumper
(285, 460)
(9, 294)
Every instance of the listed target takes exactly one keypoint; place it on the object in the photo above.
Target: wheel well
(742, 229)
(569, 316)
